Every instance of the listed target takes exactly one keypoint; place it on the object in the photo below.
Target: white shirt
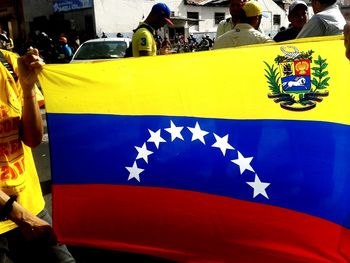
(224, 26)
(241, 35)
(328, 22)
(227, 25)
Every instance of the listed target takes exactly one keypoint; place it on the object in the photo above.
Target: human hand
(35, 229)
(32, 227)
(28, 66)
(347, 39)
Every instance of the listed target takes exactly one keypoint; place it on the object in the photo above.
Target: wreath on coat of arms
(294, 83)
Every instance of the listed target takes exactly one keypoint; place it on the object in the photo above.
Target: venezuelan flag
(235, 155)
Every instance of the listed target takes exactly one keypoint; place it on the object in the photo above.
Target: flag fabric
(235, 155)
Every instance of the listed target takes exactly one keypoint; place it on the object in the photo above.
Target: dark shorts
(15, 249)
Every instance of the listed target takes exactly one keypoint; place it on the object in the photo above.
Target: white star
(259, 187)
(134, 172)
(174, 131)
(143, 152)
(243, 163)
(198, 133)
(222, 143)
(155, 138)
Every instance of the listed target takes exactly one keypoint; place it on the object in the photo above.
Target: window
(219, 17)
(193, 15)
(277, 20)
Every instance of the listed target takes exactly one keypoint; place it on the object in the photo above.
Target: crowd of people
(53, 48)
(242, 28)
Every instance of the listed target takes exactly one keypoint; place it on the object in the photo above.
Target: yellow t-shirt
(18, 174)
(143, 40)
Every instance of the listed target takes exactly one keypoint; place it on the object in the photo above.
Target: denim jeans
(15, 249)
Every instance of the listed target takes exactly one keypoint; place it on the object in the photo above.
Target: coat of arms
(298, 81)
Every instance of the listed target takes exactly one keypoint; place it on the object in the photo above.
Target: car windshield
(101, 50)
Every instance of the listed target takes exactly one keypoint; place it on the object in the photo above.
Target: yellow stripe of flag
(228, 83)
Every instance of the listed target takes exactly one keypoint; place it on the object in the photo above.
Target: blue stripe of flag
(304, 163)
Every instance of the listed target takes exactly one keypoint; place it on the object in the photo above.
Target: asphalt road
(81, 254)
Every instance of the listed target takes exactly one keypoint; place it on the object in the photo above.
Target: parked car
(101, 49)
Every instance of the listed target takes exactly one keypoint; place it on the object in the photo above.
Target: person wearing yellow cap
(246, 31)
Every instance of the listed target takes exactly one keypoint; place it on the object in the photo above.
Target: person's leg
(14, 248)
(58, 253)
(38, 251)
(4, 250)
(16, 245)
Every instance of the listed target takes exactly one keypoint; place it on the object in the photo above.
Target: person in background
(143, 39)
(25, 231)
(66, 52)
(166, 44)
(229, 23)
(76, 42)
(347, 39)
(204, 44)
(7, 42)
(327, 20)
(192, 42)
(246, 32)
(159, 41)
(211, 42)
(297, 16)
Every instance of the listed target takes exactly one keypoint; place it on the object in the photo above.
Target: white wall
(270, 8)
(124, 15)
(113, 16)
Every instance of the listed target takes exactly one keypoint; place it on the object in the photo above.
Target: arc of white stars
(134, 172)
(143, 152)
(259, 187)
(243, 163)
(222, 143)
(198, 133)
(155, 138)
(174, 131)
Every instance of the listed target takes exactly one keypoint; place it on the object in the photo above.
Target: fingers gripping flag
(236, 155)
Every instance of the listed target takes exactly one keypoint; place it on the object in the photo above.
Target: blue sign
(69, 5)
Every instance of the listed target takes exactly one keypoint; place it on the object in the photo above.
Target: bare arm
(31, 226)
(31, 122)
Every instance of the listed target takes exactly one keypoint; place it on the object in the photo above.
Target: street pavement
(81, 254)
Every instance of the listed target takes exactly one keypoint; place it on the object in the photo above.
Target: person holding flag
(25, 231)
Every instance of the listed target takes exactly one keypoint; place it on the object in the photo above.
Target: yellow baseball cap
(252, 8)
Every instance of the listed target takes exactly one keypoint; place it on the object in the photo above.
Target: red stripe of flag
(193, 227)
